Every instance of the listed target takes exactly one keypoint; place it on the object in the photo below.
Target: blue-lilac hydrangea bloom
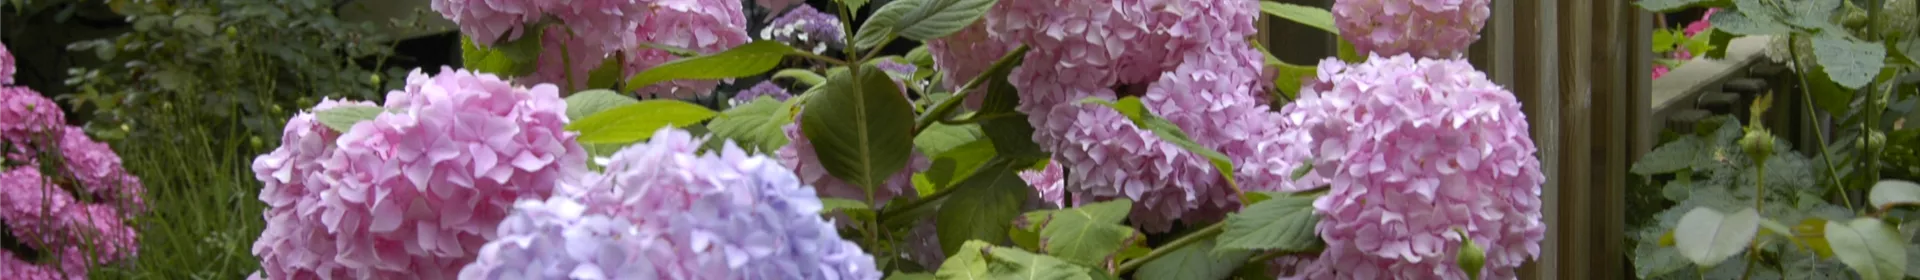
(808, 29)
(662, 210)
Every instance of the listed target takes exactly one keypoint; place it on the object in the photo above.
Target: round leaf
(1894, 192)
(1869, 247)
(1707, 237)
(861, 127)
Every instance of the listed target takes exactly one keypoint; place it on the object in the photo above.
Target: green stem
(960, 94)
(566, 65)
(827, 59)
(1759, 199)
(917, 203)
(977, 118)
(1827, 156)
(1195, 237)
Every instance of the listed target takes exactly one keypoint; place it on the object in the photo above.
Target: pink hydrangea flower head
(661, 210)
(552, 67)
(1422, 28)
(704, 26)
(6, 66)
(966, 54)
(71, 267)
(1414, 149)
(27, 116)
(415, 191)
(602, 26)
(99, 172)
(490, 21)
(799, 155)
(48, 219)
(292, 246)
(1048, 183)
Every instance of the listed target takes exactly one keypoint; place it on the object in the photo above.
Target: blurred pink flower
(1424, 28)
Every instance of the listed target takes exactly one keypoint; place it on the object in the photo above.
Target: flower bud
(1471, 257)
(1758, 144)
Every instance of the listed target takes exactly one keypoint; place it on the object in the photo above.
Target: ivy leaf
(638, 121)
(983, 207)
(1849, 62)
(1869, 247)
(1137, 112)
(341, 119)
(861, 127)
(1285, 223)
(1890, 193)
(1668, 6)
(1708, 237)
(586, 103)
(1671, 157)
(937, 18)
(746, 60)
(756, 125)
(1014, 264)
(1197, 261)
(1088, 235)
(1742, 24)
(1310, 16)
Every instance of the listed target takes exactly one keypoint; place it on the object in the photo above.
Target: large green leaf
(968, 263)
(1137, 112)
(1869, 247)
(950, 167)
(1812, 14)
(1742, 24)
(983, 207)
(881, 27)
(511, 59)
(1668, 6)
(342, 118)
(940, 137)
(757, 125)
(853, 5)
(1891, 193)
(1708, 237)
(861, 128)
(1284, 223)
(804, 77)
(1015, 264)
(607, 74)
(746, 60)
(1849, 62)
(586, 103)
(1012, 135)
(1680, 154)
(1089, 235)
(638, 121)
(1310, 16)
(1197, 261)
(933, 19)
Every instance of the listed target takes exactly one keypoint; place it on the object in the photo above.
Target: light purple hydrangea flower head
(1414, 149)
(808, 29)
(415, 191)
(764, 88)
(1422, 28)
(662, 210)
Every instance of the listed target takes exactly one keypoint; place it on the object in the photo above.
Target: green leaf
(1671, 157)
(1664, 40)
(956, 164)
(882, 27)
(1088, 235)
(1742, 24)
(967, 263)
(861, 127)
(1310, 16)
(1812, 14)
(1653, 261)
(1717, 42)
(1291, 77)
(756, 125)
(1137, 112)
(607, 74)
(983, 207)
(1668, 6)
(1014, 264)
(910, 276)
(510, 60)
(638, 121)
(803, 76)
(675, 51)
(853, 5)
(828, 204)
(933, 19)
(1285, 223)
(1012, 135)
(1348, 54)
(746, 60)
(341, 119)
(919, 56)
(1890, 193)
(1828, 95)
(587, 103)
(941, 137)
(1708, 237)
(1196, 261)
(1869, 247)
(1849, 62)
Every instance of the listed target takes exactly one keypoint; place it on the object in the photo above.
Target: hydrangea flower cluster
(6, 65)
(415, 191)
(964, 55)
(79, 215)
(1415, 149)
(808, 29)
(764, 88)
(1186, 60)
(590, 31)
(662, 210)
(1422, 28)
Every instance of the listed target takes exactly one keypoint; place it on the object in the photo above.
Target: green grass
(204, 210)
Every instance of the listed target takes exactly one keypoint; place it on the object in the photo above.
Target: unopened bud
(1758, 144)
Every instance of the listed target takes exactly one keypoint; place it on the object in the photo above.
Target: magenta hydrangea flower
(6, 66)
(1422, 28)
(99, 172)
(1415, 149)
(664, 211)
(25, 115)
(602, 24)
(704, 26)
(808, 29)
(47, 218)
(415, 191)
(72, 266)
(489, 21)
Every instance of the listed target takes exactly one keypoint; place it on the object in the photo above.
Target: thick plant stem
(1759, 199)
(910, 206)
(1195, 237)
(1827, 156)
(960, 94)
